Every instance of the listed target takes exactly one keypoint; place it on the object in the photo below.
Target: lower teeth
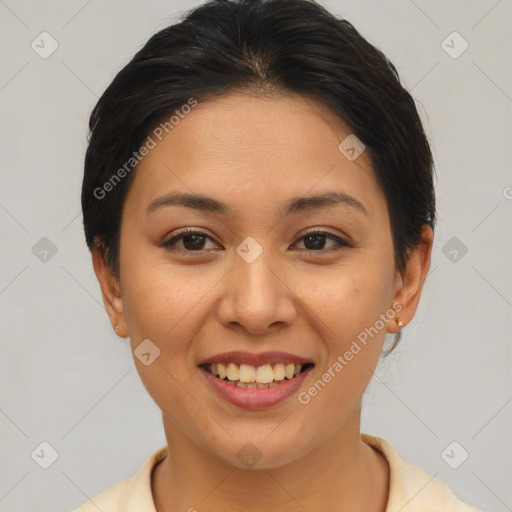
(252, 385)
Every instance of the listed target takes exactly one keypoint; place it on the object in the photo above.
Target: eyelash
(343, 244)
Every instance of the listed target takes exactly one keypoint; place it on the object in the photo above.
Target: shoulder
(108, 500)
(129, 495)
(411, 489)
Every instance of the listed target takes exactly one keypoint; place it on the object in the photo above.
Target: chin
(259, 452)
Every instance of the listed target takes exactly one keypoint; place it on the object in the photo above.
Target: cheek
(348, 299)
(348, 304)
(163, 305)
(160, 296)
(351, 348)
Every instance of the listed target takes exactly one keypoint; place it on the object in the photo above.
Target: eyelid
(167, 243)
(340, 240)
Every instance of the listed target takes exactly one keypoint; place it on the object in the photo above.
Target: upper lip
(241, 357)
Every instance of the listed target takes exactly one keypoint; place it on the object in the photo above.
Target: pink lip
(260, 359)
(255, 398)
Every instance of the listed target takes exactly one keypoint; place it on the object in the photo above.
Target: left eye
(314, 238)
(194, 241)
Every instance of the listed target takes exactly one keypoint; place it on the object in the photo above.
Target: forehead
(265, 149)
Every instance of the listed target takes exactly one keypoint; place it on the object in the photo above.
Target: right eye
(192, 240)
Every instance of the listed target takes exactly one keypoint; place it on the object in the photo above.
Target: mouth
(256, 377)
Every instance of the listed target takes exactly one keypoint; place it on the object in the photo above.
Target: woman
(258, 200)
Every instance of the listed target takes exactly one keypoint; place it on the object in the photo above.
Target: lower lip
(256, 398)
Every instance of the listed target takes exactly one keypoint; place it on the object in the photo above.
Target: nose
(257, 297)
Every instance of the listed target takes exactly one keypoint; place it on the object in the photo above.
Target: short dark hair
(261, 47)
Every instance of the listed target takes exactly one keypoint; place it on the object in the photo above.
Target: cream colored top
(411, 489)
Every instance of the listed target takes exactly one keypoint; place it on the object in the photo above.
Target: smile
(255, 377)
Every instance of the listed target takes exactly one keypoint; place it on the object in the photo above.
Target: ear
(409, 283)
(110, 290)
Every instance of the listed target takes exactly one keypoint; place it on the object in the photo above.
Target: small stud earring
(399, 323)
(117, 327)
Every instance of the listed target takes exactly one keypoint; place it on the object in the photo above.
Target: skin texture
(255, 154)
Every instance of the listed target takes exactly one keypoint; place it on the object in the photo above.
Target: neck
(341, 473)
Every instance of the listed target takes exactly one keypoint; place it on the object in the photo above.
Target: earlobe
(396, 323)
(110, 289)
(410, 282)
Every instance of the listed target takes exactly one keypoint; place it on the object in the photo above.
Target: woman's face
(253, 281)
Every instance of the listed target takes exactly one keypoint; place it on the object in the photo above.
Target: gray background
(66, 379)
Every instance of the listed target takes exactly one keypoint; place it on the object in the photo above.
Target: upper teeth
(262, 374)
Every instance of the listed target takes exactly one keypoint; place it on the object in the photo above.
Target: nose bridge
(255, 279)
(256, 297)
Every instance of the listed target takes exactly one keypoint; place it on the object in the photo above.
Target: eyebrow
(294, 205)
